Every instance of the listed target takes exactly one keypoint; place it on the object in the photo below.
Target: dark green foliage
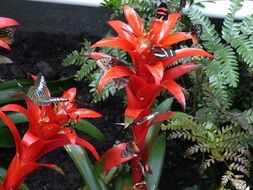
(228, 144)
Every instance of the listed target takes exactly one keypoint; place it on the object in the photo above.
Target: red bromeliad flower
(7, 28)
(48, 129)
(149, 74)
(136, 151)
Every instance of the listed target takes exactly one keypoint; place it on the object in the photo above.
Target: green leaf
(123, 182)
(90, 129)
(17, 118)
(6, 139)
(81, 160)
(2, 174)
(155, 162)
(154, 130)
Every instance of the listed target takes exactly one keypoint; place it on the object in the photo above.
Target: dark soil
(41, 52)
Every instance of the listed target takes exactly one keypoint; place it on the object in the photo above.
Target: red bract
(6, 23)
(153, 70)
(114, 156)
(48, 129)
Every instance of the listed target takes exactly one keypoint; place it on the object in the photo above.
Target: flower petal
(166, 27)
(64, 139)
(69, 94)
(157, 71)
(86, 113)
(178, 71)
(175, 90)
(9, 123)
(6, 22)
(186, 52)
(96, 55)
(4, 44)
(124, 31)
(134, 20)
(113, 157)
(175, 38)
(114, 72)
(115, 43)
(161, 117)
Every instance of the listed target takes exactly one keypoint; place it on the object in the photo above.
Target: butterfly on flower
(162, 11)
(130, 150)
(162, 53)
(39, 93)
(196, 31)
(106, 63)
(7, 34)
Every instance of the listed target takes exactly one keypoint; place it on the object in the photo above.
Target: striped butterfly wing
(7, 34)
(107, 63)
(196, 31)
(162, 53)
(39, 93)
(162, 11)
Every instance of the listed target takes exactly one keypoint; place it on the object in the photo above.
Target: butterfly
(196, 31)
(130, 150)
(106, 63)
(182, 3)
(162, 53)
(7, 34)
(162, 11)
(39, 93)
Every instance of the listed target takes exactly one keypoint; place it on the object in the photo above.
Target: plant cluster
(146, 58)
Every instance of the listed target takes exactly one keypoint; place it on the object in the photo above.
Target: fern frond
(247, 25)
(85, 69)
(244, 48)
(228, 61)
(210, 38)
(230, 29)
(226, 144)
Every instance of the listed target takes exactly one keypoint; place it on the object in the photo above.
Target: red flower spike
(48, 130)
(114, 72)
(175, 90)
(134, 20)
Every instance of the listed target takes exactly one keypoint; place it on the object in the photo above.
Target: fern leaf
(247, 25)
(229, 29)
(85, 69)
(209, 36)
(244, 48)
(228, 61)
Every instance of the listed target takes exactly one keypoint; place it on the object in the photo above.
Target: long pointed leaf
(90, 129)
(155, 162)
(81, 160)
